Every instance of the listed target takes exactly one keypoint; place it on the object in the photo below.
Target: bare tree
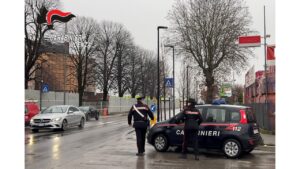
(108, 44)
(134, 72)
(148, 69)
(125, 47)
(207, 30)
(237, 94)
(34, 33)
(83, 46)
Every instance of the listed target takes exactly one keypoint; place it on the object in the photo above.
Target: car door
(77, 115)
(211, 128)
(71, 116)
(175, 130)
(201, 128)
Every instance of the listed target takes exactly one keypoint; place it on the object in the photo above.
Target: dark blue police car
(230, 128)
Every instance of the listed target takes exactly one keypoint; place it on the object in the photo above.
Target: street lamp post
(41, 84)
(171, 46)
(187, 84)
(158, 73)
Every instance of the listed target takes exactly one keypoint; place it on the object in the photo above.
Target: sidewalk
(268, 139)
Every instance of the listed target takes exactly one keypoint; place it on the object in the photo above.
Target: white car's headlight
(31, 120)
(56, 119)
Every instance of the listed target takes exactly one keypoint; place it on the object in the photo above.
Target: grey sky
(141, 18)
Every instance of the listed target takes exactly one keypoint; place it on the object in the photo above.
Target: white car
(58, 117)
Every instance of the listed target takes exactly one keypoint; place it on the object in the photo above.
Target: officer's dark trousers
(140, 139)
(190, 137)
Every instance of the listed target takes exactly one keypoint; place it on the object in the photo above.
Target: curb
(266, 148)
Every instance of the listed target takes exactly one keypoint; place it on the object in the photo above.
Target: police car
(230, 128)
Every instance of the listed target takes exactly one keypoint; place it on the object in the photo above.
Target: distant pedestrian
(192, 119)
(140, 113)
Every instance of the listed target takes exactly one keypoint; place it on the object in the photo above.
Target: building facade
(56, 68)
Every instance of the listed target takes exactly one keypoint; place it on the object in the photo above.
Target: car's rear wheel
(64, 125)
(81, 125)
(232, 148)
(35, 130)
(161, 143)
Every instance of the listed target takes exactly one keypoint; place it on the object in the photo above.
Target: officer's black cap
(191, 100)
(140, 98)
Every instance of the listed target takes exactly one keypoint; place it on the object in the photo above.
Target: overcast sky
(141, 18)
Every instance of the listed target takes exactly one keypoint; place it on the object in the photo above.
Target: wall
(52, 98)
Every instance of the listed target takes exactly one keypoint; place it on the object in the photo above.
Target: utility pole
(64, 62)
(164, 91)
(41, 85)
(187, 84)
(158, 73)
(172, 46)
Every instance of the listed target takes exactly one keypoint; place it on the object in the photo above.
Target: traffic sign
(169, 82)
(153, 108)
(45, 88)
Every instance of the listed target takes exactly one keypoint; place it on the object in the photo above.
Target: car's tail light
(243, 117)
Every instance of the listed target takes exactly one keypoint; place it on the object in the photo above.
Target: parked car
(229, 128)
(31, 109)
(58, 117)
(90, 112)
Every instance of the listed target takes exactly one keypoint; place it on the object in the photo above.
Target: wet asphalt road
(110, 144)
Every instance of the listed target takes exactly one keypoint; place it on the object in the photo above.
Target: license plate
(41, 125)
(255, 131)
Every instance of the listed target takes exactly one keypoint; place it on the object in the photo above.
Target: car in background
(31, 109)
(90, 112)
(58, 117)
(230, 128)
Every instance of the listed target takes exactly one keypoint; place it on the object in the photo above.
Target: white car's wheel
(64, 125)
(82, 122)
(232, 148)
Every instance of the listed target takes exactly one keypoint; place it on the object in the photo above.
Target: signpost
(45, 88)
(250, 41)
(226, 90)
(169, 82)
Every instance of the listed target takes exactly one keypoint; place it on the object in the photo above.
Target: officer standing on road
(192, 119)
(140, 112)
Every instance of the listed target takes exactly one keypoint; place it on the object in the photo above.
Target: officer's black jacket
(144, 109)
(191, 117)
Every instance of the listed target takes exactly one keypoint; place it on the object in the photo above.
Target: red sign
(259, 74)
(271, 52)
(250, 41)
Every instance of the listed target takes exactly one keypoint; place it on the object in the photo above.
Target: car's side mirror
(70, 111)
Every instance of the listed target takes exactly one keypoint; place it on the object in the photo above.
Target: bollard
(105, 112)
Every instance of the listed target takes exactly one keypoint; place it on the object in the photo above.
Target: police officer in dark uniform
(140, 113)
(192, 119)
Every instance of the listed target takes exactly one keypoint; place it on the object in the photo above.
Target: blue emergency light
(218, 101)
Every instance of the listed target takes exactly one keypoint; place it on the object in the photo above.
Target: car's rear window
(215, 115)
(250, 116)
(234, 116)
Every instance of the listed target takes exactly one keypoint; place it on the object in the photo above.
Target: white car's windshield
(55, 109)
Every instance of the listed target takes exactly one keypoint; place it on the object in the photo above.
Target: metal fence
(52, 98)
(116, 105)
(265, 117)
